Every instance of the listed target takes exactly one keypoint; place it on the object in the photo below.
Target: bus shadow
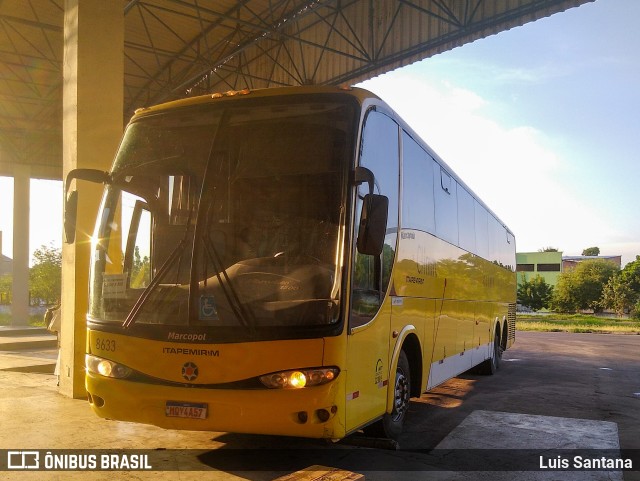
(282, 458)
(262, 458)
(431, 418)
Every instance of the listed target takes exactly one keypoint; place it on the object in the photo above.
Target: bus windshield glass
(228, 216)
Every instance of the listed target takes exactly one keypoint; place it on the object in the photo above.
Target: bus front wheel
(391, 424)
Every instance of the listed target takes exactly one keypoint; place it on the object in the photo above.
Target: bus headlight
(105, 367)
(299, 378)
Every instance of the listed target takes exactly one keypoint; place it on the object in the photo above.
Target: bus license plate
(177, 409)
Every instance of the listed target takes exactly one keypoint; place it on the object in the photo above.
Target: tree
(140, 270)
(631, 275)
(548, 249)
(535, 294)
(591, 251)
(45, 277)
(622, 292)
(6, 285)
(618, 295)
(581, 288)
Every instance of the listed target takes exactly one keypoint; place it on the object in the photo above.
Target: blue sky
(542, 121)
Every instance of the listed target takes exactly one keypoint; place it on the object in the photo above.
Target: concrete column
(93, 78)
(20, 303)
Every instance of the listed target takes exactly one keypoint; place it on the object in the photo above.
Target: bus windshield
(229, 216)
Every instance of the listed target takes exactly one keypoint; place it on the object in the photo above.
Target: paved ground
(552, 375)
(587, 376)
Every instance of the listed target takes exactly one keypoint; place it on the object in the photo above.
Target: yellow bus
(291, 261)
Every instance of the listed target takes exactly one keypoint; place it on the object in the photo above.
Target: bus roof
(360, 94)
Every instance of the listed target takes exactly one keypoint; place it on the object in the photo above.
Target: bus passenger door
(367, 359)
(370, 312)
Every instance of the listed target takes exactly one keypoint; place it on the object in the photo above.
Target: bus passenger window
(446, 202)
(417, 205)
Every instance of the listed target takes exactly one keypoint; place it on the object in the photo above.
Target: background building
(569, 262)
(547, 265)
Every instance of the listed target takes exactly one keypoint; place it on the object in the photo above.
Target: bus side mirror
(373, 224)
(71, 198)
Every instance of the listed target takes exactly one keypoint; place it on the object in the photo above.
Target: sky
(541, 121)
(45, 220)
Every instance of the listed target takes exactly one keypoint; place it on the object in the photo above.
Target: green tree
(45, 277)
(618, 295)
(535, 294)
(140, 270)
(622, 292)
(631, 275)
(548, 249)
(6, 285)
(581, 288)
(591, 251)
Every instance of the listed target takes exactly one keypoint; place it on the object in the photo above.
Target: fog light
(323, 415)
(97, 401)
(302, 417)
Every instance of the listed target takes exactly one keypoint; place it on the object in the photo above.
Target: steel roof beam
(31, 23)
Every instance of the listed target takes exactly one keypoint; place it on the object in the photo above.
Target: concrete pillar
(93, 78)
(20, 303)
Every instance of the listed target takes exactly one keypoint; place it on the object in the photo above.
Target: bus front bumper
(312, 412)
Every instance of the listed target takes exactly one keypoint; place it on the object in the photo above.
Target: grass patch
(34, 320)
(576, 323)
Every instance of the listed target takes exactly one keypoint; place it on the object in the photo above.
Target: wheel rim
(401, 395)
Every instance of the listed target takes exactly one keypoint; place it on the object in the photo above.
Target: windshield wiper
(137, 307)
(176, 253)
(242, 313)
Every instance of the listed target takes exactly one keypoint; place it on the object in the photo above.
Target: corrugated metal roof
(176, 48)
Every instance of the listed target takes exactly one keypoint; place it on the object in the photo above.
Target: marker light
(106, 368)
(230, 93)
(299, 378)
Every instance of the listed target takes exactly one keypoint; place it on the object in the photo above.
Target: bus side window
(417, 177)
(137, 253)
(371, 274)
(466, 220)
(446, 200)
(482, 230)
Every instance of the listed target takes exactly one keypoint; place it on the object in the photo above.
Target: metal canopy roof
(176, 48)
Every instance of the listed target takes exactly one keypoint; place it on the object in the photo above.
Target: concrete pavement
(572, 391)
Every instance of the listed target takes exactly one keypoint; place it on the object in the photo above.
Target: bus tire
(491, 365)
(392, 423)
